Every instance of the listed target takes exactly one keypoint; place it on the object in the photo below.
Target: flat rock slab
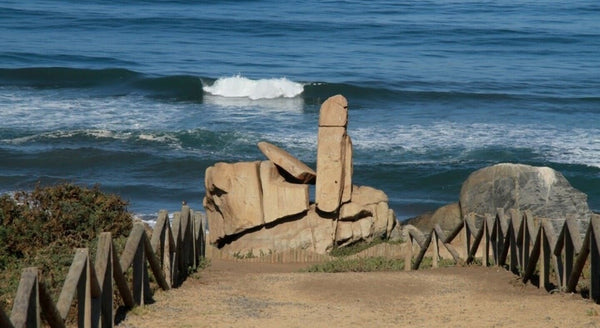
(299, 171)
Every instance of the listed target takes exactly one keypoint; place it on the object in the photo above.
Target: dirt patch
(233, 294)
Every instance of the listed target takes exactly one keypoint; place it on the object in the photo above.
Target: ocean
(141, 97)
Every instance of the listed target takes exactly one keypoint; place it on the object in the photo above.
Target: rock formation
(541, 190)
(261, 207)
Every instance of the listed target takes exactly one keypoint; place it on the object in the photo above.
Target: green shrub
(354, 248)
(366, 264)
(41, 228)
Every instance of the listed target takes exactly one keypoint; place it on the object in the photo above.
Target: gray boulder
(541, 190)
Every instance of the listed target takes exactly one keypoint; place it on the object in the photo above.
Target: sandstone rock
(299, 171)
(447, 216)
(307, 231)
(343, 233)
(323, 230)
(392, 223)
(541, 190)
(334, 112)
(365, 195)
(353, 211)
(234, 191)
(367, 214)
(280, 198)
(330, 168)
(347, 187)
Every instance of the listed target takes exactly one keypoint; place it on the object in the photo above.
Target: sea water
(142, 96)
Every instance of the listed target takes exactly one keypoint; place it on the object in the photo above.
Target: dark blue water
(142, 96)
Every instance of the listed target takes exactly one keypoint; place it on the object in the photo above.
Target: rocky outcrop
(334, 156)
(447, 216)
(541, 190)
(280, 198)
(234, 192)
(260, 207)
(295, 169)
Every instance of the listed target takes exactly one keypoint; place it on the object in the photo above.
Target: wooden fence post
(595, 258)
(26, 307)
(545, 253)
(436, 250)
(104, 272)
(408, 254)
(515, 224)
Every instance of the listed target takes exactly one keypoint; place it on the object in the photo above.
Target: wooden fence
(170, 253)
(527, 246)
(530, 247)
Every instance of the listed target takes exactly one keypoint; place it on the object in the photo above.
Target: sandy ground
(231, 294)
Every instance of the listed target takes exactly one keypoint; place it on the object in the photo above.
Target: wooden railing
(170, 253)
(523, 244)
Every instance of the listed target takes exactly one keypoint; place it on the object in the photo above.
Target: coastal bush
(366, 264)
(41, 228)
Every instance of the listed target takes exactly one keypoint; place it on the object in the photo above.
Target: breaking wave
(241, 87)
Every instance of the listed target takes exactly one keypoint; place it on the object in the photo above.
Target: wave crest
(241, 87)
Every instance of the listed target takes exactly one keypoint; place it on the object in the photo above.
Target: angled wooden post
(476, 240)
(595, 257)
(545, 254)
(163, 245)
(565, 252)
(134, 253)
(26, 307)
(442, 236)
(467, 232)
(78, 281)
(523, 244)
(141, 289)
(501, 228)
(571, 283)
(185, 240)
(532, 261)
(104, 272)
(408, 254)
(84, 296)
(421, 253)
(436, 250)
(485, 261)
(515, 224)
(120, 280)
(176, 261)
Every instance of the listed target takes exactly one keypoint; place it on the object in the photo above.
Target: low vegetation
(367, 264)
(41, 228)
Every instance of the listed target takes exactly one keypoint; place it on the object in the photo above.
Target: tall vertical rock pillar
(334, 156)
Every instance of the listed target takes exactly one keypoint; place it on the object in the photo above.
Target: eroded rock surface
(541, 190)
(299, 171)
(260, 207)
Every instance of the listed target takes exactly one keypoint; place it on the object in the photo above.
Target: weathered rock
(307, 231)
(297, 170)
(234, 191)
(255, 207)
(347, 187)
(334, 112)
(367, 216)
(323, 230)
(280, 198)
(365, 195)
(447, 216)
(330, 168)
(541, 190)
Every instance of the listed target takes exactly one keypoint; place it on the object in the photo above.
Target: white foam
(552, 143)
(241, 87)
